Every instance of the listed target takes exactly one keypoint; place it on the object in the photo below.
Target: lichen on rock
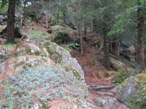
(133, 91)
(40, 75)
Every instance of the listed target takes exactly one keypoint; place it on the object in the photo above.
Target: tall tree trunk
(47, 18)
(140, 37)
(81, 36)
(11, 21)
(106, 46)
(3, 3)
(115, 46)
(80, 26)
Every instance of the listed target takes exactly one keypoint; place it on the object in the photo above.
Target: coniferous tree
(140, 31)
(11, 21)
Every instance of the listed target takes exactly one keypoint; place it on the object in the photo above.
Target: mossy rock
(23, 48)
(62, 56)
(133, 91)
(69, 68)
(121, 75)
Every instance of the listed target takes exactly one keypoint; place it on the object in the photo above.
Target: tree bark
(80, 35)
(11, 21)
(80, 26)
(115, 46)
(140, 37)
(106, 46)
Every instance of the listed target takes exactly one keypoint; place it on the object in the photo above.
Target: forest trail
(97, 77)
(100, 85)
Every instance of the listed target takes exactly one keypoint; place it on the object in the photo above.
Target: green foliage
(122, 20)
(139, 105)
(7, 44)
(44, 106)
(73, 45)
(141, 79)
(62, 38)
(3, 10)
(143, 2)
(37, 34)
(137, 70)
(121, 76)
(97, 75)
(106, 74)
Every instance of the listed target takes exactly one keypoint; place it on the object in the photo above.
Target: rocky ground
(100, 86)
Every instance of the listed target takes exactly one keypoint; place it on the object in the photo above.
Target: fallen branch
(106, 94)
(101, 87)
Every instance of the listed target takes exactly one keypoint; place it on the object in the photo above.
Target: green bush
(121, 76)
(97, 75)
(106, 74)
(62, 38)
(4, 9)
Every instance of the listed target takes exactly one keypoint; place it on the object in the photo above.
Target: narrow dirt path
(100, 86)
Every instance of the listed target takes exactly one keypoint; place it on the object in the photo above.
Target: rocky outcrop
(133, 91)
(3, 19)
(109, 103)
(42, 75)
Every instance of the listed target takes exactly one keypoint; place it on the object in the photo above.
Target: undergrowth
(4, 9)
(121, 76)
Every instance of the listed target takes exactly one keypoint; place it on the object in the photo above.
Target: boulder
(5, 50)
(42, 75)
(133, 91)
(99, 102)
(63, 57)
(108, 102)
(3, 19)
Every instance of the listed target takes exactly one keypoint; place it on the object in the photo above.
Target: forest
(72, 54)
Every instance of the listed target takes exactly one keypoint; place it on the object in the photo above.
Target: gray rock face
(132, 92)
(112, 103)
(129, 91)
(65, 58)
(100, 102)
(34, 78)
(109, 103)
(3, 19)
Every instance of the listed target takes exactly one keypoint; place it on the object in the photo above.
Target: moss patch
(38, 34)
(122, 85)
(139, 105)
(75, 72)
(140, 80)
(97, 75)
(120, 76)
(44, 106)
(11, 45)
(4, 9)
(106, 74)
